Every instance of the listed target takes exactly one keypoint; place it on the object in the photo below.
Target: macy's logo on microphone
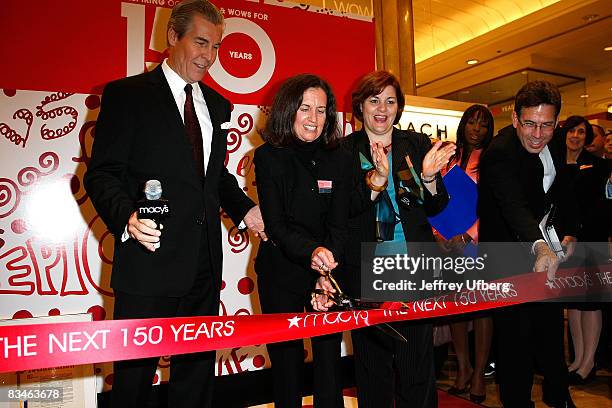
(154, 210)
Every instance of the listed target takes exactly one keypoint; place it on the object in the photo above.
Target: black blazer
(591, 176)
(298, 216)
(362, 222)
(511, 198)
(140, 136)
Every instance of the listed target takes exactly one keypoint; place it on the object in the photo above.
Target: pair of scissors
(345, 302)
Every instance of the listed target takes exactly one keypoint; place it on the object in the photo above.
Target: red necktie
(194, 132)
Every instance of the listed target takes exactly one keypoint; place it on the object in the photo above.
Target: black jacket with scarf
(362, 222)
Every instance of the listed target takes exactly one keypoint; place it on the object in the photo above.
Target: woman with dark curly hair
(303, 187)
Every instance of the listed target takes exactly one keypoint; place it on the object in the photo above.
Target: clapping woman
(396, 185)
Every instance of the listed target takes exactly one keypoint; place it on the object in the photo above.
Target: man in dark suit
(167, 125)
(521, 177)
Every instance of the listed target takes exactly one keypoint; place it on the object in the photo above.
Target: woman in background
(303, 187)
(585, 318)
(608, 147)
(474, 134)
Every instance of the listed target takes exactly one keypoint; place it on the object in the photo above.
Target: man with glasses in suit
(521, 178)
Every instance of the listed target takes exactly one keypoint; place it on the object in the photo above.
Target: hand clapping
(436, 158)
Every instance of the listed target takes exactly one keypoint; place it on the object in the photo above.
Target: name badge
(325, 186)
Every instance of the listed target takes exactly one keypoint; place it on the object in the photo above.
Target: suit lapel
(170, 117)
(534, 166)
(401, 148)
(363, 144)
(532, 173)
(166, 101)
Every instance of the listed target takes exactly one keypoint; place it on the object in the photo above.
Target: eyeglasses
(544, 127)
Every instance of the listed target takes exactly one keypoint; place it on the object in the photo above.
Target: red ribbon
(33, 346)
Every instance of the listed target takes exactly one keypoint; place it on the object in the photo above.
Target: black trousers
(287, 358)
(391, 373)
(528, 336)
(191, 375)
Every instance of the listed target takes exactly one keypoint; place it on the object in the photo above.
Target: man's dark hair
(279, 126)
(601, 130)
(537, 93)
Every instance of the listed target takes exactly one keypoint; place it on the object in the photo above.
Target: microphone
(153, 207)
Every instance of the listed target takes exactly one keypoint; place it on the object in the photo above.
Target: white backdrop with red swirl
(55, 252)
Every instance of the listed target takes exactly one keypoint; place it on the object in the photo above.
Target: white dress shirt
(547, 180)
(177, 86)
(549, 168)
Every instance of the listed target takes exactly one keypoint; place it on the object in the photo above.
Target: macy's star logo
(550, 284)
(294, 321)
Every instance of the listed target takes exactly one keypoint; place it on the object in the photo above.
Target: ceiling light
(416, 84)
(608, 48)
(584, 95)
(472, 61)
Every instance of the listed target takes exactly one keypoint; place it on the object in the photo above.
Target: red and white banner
(47, 345)
(78, 46)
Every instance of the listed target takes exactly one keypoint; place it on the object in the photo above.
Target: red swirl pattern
(86, 132)
(30, 175)
(10, 195)
(234, 135)
(86, 135)
(10, 192)
(49, 134)
(11, 134)
(237, 239)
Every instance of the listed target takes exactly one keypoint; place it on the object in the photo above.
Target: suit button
(199, 221)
